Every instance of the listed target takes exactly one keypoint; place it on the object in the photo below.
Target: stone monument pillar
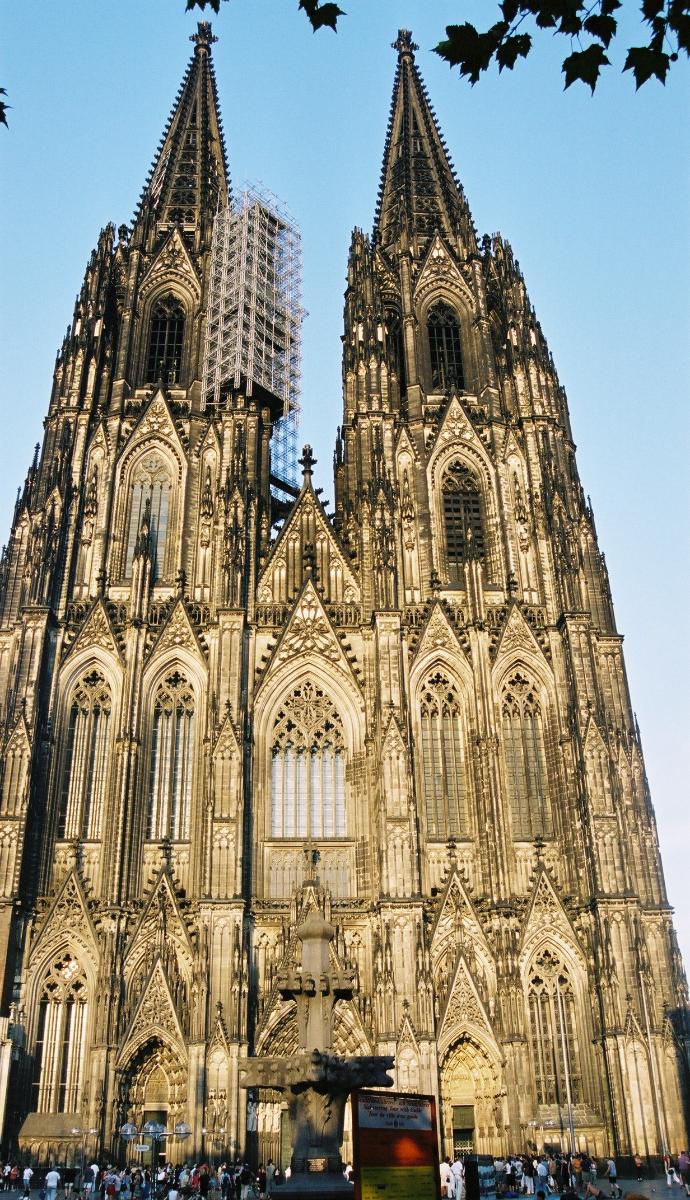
(316, 1082)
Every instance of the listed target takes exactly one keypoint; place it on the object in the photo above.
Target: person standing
(543, 1176)
(447, 1181)
(270, 1175)
(26, 1179)
(458, 1170)
(52, 1183)
(684, 1170)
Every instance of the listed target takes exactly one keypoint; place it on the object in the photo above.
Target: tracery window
(553, 1032)
(85, 765)
(308, 767)
(149, 511)
(61, 1038)
(462, 510)
(443, 760)
(525, 759)
(172, 761)
(445, 350)
(166, 340)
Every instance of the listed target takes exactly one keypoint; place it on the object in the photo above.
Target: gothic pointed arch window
(61, 1038)
(445, 348)
(166, 341)
(444, 775)
(171, 768)
(308, 767)
(554, 1043)
(524, 746)
(150, 498)
(84, 771)
(462, 512)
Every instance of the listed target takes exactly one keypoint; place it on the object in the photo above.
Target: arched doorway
(152, 1086)
(472, 1099)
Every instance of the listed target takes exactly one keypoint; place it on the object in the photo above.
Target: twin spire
(419, 192)
(189, 175)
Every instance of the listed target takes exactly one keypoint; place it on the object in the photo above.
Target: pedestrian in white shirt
(52, 1183)
(458, 1179)
(447, 1178)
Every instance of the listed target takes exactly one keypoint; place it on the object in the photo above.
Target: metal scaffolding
(254, 316)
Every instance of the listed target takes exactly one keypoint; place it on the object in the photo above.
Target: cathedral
(222, 706)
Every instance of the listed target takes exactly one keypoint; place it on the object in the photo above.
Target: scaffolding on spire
(254, 317)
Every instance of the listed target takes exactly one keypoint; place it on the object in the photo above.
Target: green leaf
(602, 27)
(645, 62)
(468, 49)
(214, 4)
(651, 9)
(3, 108)
(321, 14)
(609, 6)
(517, 46)
(585, 65)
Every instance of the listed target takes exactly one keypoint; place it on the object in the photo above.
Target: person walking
(611, 1173)
(52, 1183)
(684, 1170)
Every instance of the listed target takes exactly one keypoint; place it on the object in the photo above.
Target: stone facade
(427, 688)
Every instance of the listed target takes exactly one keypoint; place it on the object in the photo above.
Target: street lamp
(182, 1130)
(153, 1130)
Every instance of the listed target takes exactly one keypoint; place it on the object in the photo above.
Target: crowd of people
(229, 1181)
(570, 1176)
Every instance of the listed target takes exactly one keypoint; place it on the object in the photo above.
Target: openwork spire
(189, 173)
(419, 192)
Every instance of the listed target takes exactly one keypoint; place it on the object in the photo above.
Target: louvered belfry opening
(445, 349)
(166, 341)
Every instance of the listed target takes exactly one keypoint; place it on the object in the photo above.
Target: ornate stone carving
(309, 632)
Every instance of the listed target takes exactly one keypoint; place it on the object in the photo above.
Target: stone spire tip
(204, 37)
(404, 44)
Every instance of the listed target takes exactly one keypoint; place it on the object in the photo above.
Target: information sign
(395, 1146)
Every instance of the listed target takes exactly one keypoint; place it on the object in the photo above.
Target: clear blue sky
(591, 192)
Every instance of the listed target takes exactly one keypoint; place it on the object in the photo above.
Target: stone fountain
(316, 1082)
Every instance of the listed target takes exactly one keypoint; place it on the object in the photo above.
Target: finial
(307, 463)
(404, 44)
(203, 38)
